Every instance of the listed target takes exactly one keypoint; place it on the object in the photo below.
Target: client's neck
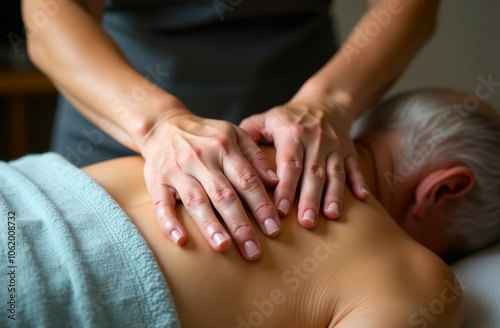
(376, 161)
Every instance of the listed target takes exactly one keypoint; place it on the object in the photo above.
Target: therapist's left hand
(313, 147)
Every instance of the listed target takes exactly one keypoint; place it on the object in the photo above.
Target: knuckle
(208, 225)
(262, 209)
(287, 188)
(248, 121)
(194, 199)
(256, 156)
(298, 129)
(224, 196)
(337, 171)
(159, 208)
(337, 197)
(310, 199)
(219, 142)
(248, 182)
(240, 228)
(294, 164)
(168, 224)
(316, 171)
(204, 225)
(245, 121)
(226, 128)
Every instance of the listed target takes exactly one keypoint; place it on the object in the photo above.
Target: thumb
(254, 125)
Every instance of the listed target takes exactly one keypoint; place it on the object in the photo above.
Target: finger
(334, 193)
(227, 203)
(289, 163)
(198, 205)
(253, 125)
(356, 179)
(164, 208)
(248, 185)
(313, 181)
(257, 159)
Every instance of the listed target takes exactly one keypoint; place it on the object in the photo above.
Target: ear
(440, 185)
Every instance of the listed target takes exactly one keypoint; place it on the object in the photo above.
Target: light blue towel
(78, 259)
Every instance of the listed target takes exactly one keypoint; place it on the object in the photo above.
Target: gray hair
(443, 125)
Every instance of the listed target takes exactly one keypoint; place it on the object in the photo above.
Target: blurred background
(466, 46)
(27, 98)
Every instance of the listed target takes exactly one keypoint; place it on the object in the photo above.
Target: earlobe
(441, 185)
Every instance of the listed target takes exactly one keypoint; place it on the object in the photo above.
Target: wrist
(336, 99)
(150, 115)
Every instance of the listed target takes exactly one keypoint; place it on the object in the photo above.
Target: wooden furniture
(17, 86)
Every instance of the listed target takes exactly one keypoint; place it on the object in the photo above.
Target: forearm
(375, 53)
(89, 69)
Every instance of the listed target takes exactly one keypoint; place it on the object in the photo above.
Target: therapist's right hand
(204, 162)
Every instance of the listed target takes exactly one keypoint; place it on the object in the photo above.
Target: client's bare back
(360, 271)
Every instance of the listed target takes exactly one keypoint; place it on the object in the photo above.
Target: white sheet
(479, 275)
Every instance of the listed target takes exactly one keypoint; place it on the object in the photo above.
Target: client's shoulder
(408, 287)
(436, 296)
(394, 281)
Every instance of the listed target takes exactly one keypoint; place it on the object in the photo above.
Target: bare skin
(310, 131)
(360, 271)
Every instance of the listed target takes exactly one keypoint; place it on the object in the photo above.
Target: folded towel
(70, 256)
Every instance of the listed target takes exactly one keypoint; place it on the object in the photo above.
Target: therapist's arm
(87, 66)
(377, 51)
(311, 131)
(198, 161)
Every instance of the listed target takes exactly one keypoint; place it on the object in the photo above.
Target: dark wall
(13, 57)
(11, 26)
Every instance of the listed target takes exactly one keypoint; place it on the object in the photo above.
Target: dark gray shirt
(224, 59)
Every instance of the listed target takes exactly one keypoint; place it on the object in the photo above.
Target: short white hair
(444, 125)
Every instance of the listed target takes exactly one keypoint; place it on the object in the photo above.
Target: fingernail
(271, 226)
(175, 235)
(310, 215)
(334, 207)
(283, 206)
(251, 248)
(272, 175)
(219, 238)
(364, 191)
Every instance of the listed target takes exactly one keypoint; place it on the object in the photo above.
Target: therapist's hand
(313, 147)
(205, 162)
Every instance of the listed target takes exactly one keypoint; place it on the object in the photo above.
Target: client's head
(436, 154)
